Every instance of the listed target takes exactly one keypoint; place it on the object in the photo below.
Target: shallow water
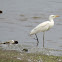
(19, 17)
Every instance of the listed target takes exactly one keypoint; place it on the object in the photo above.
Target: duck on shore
(10, 42)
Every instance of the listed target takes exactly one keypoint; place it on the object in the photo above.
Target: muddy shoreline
(16, 56)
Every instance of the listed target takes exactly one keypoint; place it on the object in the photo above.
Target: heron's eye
(53, 16)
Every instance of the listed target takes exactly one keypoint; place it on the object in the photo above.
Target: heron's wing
(41, 27)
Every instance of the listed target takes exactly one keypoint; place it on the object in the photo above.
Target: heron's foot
(37, 41)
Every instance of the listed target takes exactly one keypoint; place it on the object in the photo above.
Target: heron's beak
(57, 16)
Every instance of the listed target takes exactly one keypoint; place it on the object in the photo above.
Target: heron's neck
(51, 19)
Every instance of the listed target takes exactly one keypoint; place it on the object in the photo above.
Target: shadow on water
(36, 17)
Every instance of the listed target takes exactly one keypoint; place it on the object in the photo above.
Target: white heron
(42, 27)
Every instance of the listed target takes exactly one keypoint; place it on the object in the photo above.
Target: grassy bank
(14, 56)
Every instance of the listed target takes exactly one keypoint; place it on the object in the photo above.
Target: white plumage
(42, 27)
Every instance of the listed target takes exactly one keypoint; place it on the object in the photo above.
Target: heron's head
(52, 17)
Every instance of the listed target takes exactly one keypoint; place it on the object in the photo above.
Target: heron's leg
(37, 39)
(43, 38)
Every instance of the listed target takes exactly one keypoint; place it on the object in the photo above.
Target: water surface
(19, 17)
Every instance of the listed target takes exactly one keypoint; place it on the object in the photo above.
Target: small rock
(18, 58)
(25, 50)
